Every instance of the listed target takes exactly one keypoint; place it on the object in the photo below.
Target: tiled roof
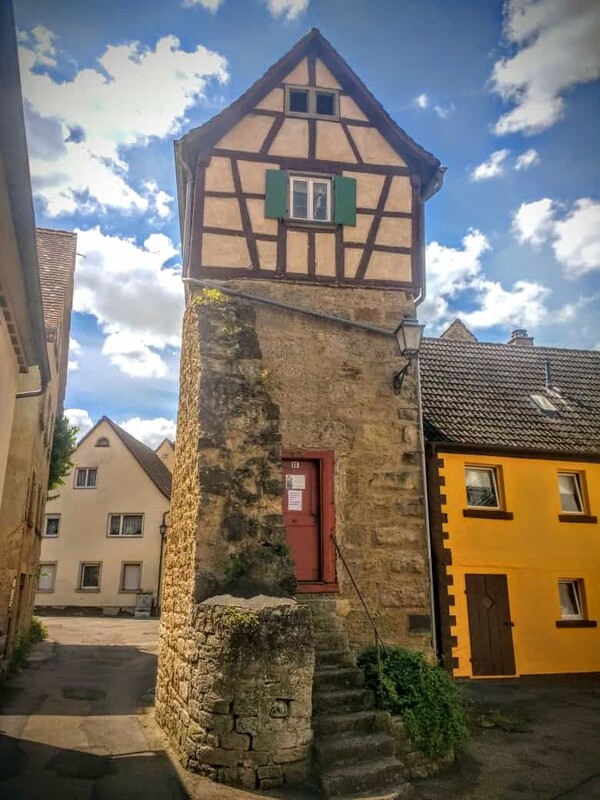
(56, 258)
(146, 458)
(479, 394)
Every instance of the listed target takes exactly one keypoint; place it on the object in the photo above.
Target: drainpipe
(434, 186)
(33, 393)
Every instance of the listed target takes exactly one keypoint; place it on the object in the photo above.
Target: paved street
(75, 725)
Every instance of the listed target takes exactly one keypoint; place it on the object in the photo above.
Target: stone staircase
(353, 751)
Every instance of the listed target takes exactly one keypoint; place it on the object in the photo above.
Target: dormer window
(309, 101)
(102, 442)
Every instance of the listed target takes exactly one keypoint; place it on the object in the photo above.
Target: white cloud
(452, 271)
(161, 200)
(150, 431)
(81, 418)
(533, 221)
(491, 168)
(289, 9)
(443, 113)
(210, 5)
(132, 356)
(527, 159)
(421, 101)
(100, 111)
(557, 48)
(137, 301)
(574, 237)
(74, 349)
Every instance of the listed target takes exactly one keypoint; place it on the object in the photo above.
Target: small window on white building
(89, 577)
(46, 577)
(86, 477)
(571, 498)
(125, 524)
(571, 599)
(482, 487)
(52, 525)
(131, 580)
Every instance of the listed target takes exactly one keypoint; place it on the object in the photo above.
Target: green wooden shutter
(276, 194)
(344, 198)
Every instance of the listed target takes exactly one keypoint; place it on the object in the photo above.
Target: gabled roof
(480, 395)
(56, 256)
(167, 441)
(144, 455)
(459, 331)
(205, 136)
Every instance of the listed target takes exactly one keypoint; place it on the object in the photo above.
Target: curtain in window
(480, 488)
(131, 577)
(567, 486)
(569, 599)
(132, 525)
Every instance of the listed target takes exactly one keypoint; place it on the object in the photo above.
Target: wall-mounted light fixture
(408, 335)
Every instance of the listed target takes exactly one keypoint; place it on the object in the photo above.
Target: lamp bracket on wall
(398, 378)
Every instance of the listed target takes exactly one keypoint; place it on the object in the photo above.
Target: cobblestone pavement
(77, 725)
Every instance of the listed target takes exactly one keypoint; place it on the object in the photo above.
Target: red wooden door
(490, 625)
(301, 515)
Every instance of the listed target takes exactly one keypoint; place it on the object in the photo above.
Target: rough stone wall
(333, 386)
(234, 685)
(249, 703)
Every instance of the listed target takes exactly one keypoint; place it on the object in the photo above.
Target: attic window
(309, 101)
(544, 404)
(102, 442)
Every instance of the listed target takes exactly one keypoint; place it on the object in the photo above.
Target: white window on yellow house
(482, 487)
(86, 477)
(571, 497)
(125, 524)
(310, 199)
(131, 579)
(571, 599)
(46, 577)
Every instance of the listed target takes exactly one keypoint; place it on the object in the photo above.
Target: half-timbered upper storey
(306, 178)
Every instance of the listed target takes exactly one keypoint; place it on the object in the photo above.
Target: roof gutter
(13, 145)
(433, 187)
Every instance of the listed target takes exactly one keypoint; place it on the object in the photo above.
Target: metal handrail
(379, 643)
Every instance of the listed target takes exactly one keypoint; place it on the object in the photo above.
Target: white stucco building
(101, 542)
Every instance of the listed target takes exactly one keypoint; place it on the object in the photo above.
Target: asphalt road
(76, 724)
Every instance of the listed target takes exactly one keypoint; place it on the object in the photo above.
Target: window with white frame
(46, 577)
(125, 524)
(310, 198)
(570, 593)
(86, 477)
(571, 497)
(482, 487)
(131, 579)
(52, 525)
(89, 576)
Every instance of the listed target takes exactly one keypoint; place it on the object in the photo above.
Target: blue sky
(505, 94)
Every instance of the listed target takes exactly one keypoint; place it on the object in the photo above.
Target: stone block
(246, 724)
(218, 757)
(270, 783)
(270, 771)
(235, 741)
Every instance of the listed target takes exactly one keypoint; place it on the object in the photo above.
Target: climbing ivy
(426, 697)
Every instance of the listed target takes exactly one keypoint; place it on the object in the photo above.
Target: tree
(63, 445)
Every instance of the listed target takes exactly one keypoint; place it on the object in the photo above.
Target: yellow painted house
(513, 444)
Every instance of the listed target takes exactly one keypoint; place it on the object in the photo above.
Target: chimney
(520, 338)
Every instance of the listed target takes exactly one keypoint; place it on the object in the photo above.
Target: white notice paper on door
(294, 499)
(295, 481)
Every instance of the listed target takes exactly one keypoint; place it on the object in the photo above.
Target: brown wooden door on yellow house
(490, 625)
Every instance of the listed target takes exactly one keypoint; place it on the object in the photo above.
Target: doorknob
(509, 624)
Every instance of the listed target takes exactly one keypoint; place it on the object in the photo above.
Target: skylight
(544, 404)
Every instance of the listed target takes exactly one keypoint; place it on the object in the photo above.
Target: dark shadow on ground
(29, 770)
(83, 680)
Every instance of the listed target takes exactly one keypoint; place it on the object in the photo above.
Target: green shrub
(24, 642)
(426, 697)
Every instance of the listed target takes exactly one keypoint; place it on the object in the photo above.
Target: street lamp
(162, 529)
(408, 335)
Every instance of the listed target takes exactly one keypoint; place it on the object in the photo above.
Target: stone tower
(301, 210)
